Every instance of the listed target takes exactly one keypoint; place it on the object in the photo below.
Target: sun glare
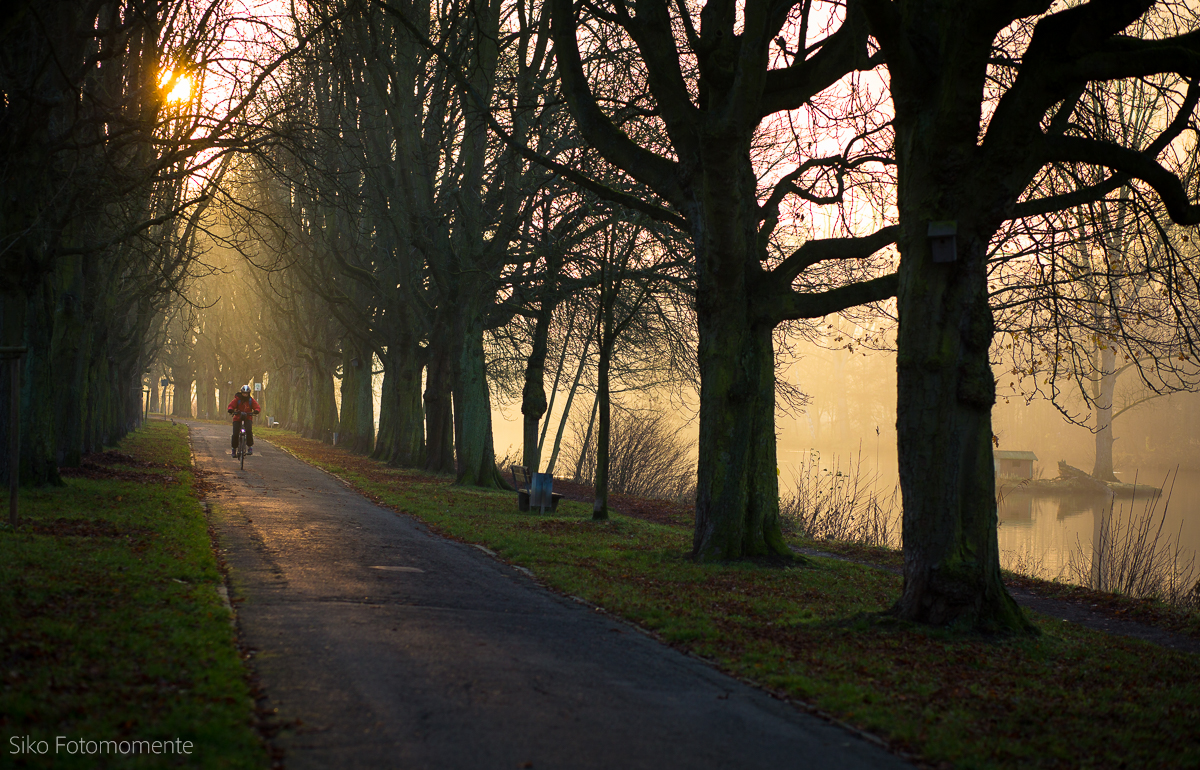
(180, 86)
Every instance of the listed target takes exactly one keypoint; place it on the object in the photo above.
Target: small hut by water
(1018, 464)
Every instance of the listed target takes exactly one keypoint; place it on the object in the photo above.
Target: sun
(180, 86)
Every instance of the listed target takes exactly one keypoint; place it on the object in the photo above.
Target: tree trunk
(323, 407)
(356, 432)
(562, 360)
(737, 491)
(402, 434)
(473, 448)
(73, 339)
(562, 422)
(1103, 469)
(439, 420)
(943, 420)
(181, 377)
(533, 395)
(737, 496)
(38, 466)
(600, 504)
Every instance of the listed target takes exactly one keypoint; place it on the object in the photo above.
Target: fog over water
(851, 418)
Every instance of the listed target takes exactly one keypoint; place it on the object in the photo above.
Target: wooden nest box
(1019, 464)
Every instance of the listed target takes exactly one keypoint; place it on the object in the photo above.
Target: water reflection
(1071, 537)
(1038, 534)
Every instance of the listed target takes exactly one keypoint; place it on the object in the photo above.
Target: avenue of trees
(555, 202)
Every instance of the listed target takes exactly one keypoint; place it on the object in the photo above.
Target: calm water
(1047, 535)
(1051, 536)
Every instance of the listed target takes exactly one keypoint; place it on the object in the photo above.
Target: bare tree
(985, 96)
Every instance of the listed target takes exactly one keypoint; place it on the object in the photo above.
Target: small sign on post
(258, 387)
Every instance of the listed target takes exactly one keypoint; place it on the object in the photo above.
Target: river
(1052, 536)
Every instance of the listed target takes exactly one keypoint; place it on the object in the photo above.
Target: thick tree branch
(824, 249)
(651, 31)
(842, 53)
(634, 202)
(1093, 193)
(794, 305)
(1136, 164)
(658, 173)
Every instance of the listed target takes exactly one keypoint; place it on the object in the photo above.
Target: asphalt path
(384, 645)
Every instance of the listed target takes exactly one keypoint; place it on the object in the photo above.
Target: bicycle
(241, 450)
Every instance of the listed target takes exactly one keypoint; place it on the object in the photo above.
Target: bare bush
(1029, 561)
(832, 504)
(511, 457)
(647, 457)
(1131, 556)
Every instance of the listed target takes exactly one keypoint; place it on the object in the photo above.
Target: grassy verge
(1149, 611)
(1071, 698)
(111, 627)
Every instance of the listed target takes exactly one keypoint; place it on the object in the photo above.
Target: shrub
(647, 457)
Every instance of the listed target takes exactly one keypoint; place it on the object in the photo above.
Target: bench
(522, 479)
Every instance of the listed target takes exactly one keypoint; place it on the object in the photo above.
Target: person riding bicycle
(243, 407)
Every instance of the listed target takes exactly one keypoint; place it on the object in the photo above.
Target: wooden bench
(522, 479)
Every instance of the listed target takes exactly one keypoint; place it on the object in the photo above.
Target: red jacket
(238, 405)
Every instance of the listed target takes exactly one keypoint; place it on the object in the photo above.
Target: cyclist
(243, 407)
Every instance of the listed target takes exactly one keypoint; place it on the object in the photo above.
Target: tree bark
(1107, 386)
(533, 394)
(604, 402)
(943, 421)
(737, 493)
(439, 413)
(321, 405)
(402, 435)
(182, 377)
(473, 447)
(356, 431)
(737, 496)
(72, 347)
(38, 444)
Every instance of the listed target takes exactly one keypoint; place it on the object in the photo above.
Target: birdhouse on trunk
(942, 240)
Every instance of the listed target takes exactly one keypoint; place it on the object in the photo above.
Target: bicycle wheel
(242, 449)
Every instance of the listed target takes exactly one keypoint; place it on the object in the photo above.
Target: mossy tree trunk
(474, 451)
(439, 419)
(943, 421)
(402, 437)
(945, 386)
(357, 416)
(737, 493)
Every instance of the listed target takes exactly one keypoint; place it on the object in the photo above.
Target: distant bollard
(335, 439)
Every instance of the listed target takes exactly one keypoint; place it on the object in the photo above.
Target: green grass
(111, 627)
(1070, 698)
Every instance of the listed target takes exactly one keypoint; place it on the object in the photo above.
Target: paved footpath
(396, 648)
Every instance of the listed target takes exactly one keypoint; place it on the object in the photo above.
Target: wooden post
(13, 355)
